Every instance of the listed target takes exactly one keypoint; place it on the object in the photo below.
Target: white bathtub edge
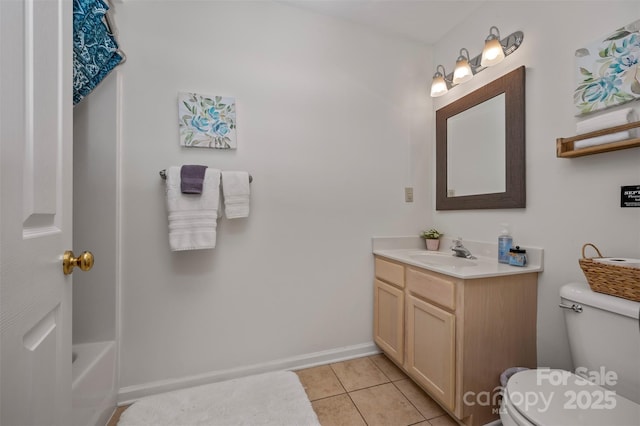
(91, 353)
(93, 387)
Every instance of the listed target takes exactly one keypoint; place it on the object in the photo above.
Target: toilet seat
(558, 397)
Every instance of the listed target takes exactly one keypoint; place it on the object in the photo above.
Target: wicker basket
(615, 280)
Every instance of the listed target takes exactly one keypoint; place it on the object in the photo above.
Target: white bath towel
(193, 217)
(608, 119)
(600, 140)
(236, 190)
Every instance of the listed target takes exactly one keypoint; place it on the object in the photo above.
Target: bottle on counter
(504, 244)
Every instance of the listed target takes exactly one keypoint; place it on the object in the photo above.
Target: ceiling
(425, 21)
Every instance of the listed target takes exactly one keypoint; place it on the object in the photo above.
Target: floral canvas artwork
(207, 121)
(608, 71)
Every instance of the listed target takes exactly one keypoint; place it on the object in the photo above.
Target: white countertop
(407, 250)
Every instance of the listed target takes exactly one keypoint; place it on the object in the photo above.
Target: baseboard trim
(130, 394)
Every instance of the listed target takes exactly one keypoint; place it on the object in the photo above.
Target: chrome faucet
(461, 251)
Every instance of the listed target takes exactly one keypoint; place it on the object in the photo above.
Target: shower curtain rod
(163, 175)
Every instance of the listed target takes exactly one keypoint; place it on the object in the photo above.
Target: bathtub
(93, 388)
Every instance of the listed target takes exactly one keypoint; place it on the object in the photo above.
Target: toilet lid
(558, 397)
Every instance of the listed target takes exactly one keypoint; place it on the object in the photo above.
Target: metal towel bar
(163, 175)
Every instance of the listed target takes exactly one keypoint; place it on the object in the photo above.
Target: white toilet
(604, 336)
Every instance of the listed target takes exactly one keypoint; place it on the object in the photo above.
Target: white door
(35, 211)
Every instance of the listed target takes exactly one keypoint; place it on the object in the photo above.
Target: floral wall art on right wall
(207, 121)
(608, 71)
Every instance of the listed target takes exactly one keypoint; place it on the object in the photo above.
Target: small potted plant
(432, 238)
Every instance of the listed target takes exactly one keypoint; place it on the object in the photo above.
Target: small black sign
(630, 196)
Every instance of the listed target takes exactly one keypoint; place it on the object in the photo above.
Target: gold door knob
(84, 261)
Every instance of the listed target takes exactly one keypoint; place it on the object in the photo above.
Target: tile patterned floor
(368, 391)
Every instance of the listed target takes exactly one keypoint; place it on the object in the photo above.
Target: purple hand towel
(191, 178)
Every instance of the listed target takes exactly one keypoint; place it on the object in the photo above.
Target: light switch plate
(408, 194)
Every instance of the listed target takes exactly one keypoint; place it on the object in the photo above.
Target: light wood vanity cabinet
(454, 337)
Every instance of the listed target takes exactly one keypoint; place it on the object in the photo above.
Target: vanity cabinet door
(431, 349)
(388, 320)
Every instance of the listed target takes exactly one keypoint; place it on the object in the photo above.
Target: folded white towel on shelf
(236, 190)
(609, 119)
(599, 140)
(193, 217)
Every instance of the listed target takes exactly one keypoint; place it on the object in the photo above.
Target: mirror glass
(480, 147)
(476, 150)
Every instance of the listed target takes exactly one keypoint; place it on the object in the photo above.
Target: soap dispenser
(504, 244)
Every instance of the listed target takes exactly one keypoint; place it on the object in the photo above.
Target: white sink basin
(442, 259)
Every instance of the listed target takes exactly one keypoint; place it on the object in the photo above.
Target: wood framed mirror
(480, 147)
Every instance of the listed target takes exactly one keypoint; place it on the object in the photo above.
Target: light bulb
(438, 86)
(463, 72)
(492, 53)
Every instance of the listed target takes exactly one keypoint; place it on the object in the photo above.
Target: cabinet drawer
(390, 272)
(432, 287)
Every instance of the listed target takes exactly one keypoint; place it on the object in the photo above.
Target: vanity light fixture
(463, 72)
(439, 86)
(495, 50)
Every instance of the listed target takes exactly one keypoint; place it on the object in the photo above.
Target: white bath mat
(267, 399)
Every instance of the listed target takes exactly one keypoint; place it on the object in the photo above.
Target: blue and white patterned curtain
(95, 50)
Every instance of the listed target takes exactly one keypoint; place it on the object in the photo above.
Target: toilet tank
(604, 338)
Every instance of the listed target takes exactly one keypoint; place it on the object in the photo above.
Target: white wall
(333, 122)
(569, 201)
(95, 211)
